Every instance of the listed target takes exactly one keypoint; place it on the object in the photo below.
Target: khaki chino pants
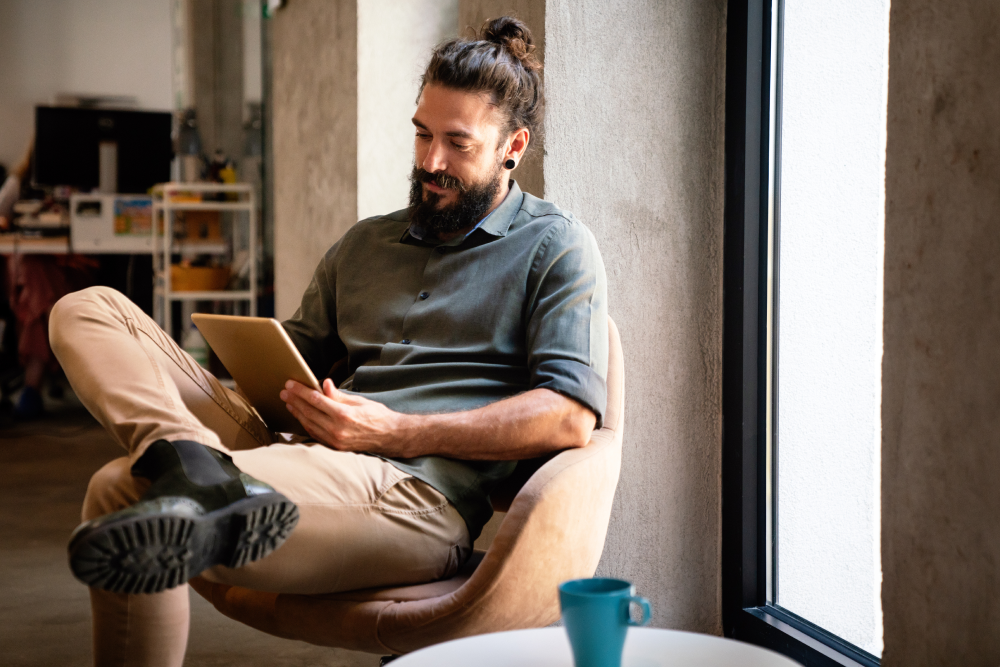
(364, 523)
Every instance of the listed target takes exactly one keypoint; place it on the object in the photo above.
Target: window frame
(750, 268)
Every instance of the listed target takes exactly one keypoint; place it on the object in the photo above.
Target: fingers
(317, 408)
(316, 412)
(316, 423)
(330, 392)
(296, 392)
(310, 425)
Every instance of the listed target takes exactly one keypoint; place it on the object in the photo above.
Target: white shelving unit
(168, 199)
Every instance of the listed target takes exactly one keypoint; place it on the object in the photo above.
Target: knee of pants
(112, 488)
(70, 308)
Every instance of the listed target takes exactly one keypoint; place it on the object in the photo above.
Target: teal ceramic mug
(596, 615)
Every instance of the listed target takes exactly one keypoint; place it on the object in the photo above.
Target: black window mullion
(746, 613)
(747, 98)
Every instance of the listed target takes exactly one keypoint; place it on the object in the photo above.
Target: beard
(472, 203)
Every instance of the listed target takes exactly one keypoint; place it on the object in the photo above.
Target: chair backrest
(554, 530)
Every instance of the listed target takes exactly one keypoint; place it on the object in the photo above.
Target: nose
(434, 161)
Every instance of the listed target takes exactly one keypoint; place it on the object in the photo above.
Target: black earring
(510, 164)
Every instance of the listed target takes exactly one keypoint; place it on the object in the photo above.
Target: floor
(44, 611)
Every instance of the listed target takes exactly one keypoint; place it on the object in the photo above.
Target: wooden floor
(44, 611)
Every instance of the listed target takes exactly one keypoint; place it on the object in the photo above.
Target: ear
(517, 143)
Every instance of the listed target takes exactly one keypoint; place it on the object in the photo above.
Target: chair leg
(386, 659)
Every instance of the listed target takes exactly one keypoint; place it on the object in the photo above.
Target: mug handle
(647, 610)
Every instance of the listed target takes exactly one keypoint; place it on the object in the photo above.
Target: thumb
(329, 389)
(340, 396)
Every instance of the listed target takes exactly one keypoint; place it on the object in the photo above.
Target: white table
(549, 647)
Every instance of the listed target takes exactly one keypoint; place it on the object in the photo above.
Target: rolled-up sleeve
(567, 332)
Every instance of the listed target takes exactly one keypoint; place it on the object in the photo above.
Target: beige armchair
(556, 523)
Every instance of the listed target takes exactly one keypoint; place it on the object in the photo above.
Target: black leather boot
(201, 511)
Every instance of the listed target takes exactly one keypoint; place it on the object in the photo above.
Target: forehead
(456, 112)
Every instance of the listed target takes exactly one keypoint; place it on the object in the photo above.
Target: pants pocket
(411, 496)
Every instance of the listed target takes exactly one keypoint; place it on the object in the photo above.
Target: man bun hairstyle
(499, 60)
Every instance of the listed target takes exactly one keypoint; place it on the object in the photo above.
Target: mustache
(440, 179)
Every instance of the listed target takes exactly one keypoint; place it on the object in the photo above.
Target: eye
(423, 136)
(461, 147)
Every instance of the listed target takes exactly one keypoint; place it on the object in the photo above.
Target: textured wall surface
(216, 34)
(634, 142)
(471, 15)
(941, 365)
(315, 60)
(395, 39)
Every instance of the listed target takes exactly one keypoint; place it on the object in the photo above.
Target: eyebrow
(455, 133)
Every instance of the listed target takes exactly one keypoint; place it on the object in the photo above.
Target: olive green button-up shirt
(518, 303)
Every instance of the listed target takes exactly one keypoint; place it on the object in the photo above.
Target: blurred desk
(13, 243)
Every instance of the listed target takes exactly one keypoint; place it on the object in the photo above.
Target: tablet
(261, 357)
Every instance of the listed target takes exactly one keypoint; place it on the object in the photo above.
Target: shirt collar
(496, 223)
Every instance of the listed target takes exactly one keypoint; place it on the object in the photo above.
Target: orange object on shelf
(198, 278)
(181, 197)
(203, 224)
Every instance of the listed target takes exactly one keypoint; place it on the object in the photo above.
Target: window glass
(827, 314)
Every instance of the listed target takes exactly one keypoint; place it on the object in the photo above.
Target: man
(474, 327)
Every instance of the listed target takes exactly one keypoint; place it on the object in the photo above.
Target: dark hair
(499, 60)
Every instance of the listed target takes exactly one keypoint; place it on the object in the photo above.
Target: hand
(344, 421)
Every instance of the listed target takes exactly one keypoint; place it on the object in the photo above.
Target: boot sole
(161, 544)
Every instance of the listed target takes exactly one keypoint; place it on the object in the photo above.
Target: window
(805, 153)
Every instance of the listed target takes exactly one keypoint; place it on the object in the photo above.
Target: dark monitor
(73, 145)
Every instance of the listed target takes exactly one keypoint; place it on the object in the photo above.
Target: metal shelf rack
(168, 199)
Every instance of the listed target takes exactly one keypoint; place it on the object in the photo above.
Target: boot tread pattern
(152, 553)
(146, 556)
(264, 530)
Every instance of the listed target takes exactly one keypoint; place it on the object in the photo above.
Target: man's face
(458, 170)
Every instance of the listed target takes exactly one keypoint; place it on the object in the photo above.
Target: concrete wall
(111, 47)
(395, 39)
(215, 29)
(343, 141)
(252, 55)
(634, 149)
(941, 370)
(472, 14)
(315, 61)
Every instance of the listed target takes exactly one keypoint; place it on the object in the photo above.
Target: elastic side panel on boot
(199, 465)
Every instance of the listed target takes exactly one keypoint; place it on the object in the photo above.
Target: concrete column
(471, 16)
(345, 83)
(395, 39)
(634, 148)
(941, 364)
(215, 31)
(315, 61)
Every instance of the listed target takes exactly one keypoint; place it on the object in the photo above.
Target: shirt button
(441, 250)
(405, 341)
(424, 295)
